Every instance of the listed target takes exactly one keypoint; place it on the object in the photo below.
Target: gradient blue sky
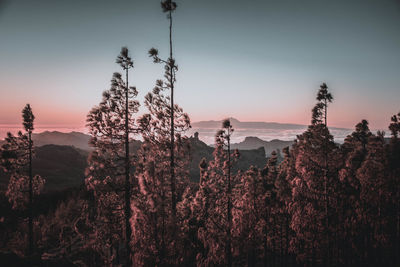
(252, 60)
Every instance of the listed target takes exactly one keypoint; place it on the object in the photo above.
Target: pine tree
(63, 232)
(169, 7)
(373, 181)
(151, 219)
(125, 61)
(285, 175)
(353, 152)
(216, 232)
(223, 138)
(315, 186)
(167, 119)
(201, 210)
(155, 183)
(269, 176)
(248, 216)
(110, 175)
(393, 152)
(320, 110)
(16, 159)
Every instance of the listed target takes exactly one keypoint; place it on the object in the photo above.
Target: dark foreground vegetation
(322, 204)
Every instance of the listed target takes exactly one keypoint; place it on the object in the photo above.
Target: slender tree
(16, 158)
(125, 61)
(223, 138)
(169, 7)
(201, 210)
(269, 176)
(216, 232)
(373, 179)
(310, 208)
(353, 153)
(320, 116)
(152, 222)
(283, 198)
(393, 152)
(320, 110)
(112, 126)
(155, 183)
(248, 218)
(178, 122)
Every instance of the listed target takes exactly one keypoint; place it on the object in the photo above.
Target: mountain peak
(253, 142)
(252, 138)
(233, 120)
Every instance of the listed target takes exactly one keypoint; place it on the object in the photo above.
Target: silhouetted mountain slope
(201, 150)
(76, 139)
(255, 142)
(62, 167)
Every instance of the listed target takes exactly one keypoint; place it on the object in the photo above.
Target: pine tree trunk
(281, 244)
(266, 240)
(172, 160)
(163, 246)
(287, 242)
(30, 233)
(117, 254)
(397, 245)
(128, 230)
(326, 188)
(252, 257)
(228, 245)
(172, 130)
(313, 260)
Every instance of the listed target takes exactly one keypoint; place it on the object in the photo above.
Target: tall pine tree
(171, 68)
(314, 186)
(16, 159)
(110, 175)
(393, 152)
(216, 231)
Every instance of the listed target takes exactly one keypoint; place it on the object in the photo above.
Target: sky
(251, 60)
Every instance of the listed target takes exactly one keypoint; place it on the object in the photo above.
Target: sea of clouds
(207, 134)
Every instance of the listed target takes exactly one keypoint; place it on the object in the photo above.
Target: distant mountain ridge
(252, 142)
(263, 130)
(63, 166)
(199, 149)
(76, 139)
(207, 129)
(211, 124)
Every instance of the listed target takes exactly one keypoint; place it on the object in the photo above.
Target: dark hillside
(62, 166)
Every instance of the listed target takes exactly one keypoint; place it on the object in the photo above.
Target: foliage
(109, 175)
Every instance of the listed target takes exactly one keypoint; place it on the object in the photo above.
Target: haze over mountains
(266, 131)
(76, 139)
(61, 158)
(81, 141)
(247, 125)
(263, 130)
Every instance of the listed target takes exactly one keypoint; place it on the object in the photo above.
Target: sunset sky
(252, 60)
